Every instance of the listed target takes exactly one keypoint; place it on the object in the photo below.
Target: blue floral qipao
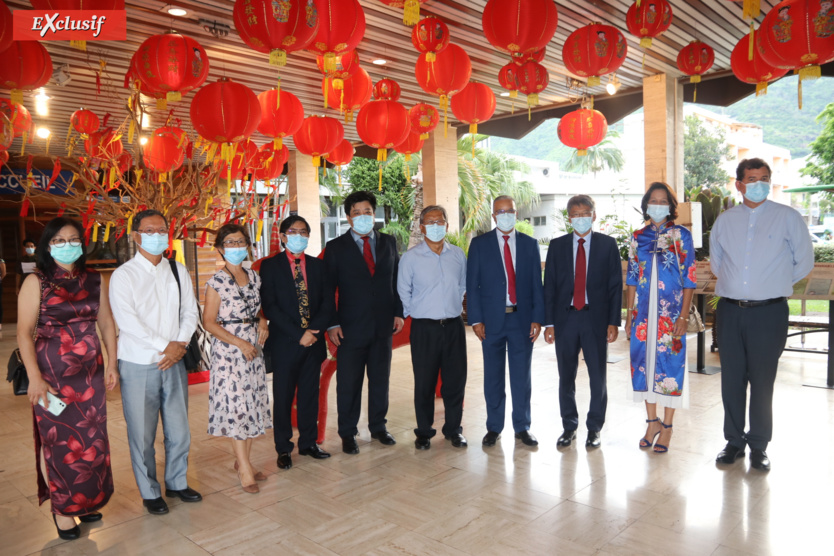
(657, 355)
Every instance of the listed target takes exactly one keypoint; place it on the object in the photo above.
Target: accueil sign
(70, 25)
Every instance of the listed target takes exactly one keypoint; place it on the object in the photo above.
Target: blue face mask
(658, 213)
(436, 232)
(582, 224)
(235, 255)
(154, 244)
(297, 243)
(363, 224)
(66, 254)
(30, 251)
(505, 222)
(757, 192)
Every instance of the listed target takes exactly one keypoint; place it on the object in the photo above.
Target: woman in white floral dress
(238, 395)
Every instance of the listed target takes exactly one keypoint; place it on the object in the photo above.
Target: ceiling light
(143, 140)
(41, 107)
(505, 94)
(175, 11)
(613, 85)
(43, 132)
(379, 62)
(146, 120)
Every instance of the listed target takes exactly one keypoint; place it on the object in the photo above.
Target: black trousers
(437, 345)
(352, 360)
(296, 367)
(750, 342)
(579, 333)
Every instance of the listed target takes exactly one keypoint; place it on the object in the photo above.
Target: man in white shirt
(156, 319)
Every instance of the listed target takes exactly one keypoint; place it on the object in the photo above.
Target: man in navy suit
(361, 266)
(505, 305)
(583, 290)
(294, 301)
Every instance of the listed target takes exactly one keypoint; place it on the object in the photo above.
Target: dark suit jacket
(603, 283)
(367, 304)
(486, 284)
(280, 302)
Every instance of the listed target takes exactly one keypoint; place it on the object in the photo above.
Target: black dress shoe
(759, 460)
(285, 461)
(384, 437)
(729, 454)
(67, 534)
(186, 495)
(527, 438)
(566, 438)
(90, 518)
(349, 445)
(157, 506)
(490, 438)
(458, 440)
(314, 451)
(593, 440)
(422, 443)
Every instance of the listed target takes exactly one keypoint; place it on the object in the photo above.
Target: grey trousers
(148, 392)
(750, 342)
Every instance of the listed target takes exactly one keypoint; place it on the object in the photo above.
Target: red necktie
(508, 264)
(579, 277)
(369, 257)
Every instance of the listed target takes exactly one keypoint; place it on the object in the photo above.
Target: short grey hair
(432, 208)
(502, 198)
(581, 200)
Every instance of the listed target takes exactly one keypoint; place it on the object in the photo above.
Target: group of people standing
(360, 294)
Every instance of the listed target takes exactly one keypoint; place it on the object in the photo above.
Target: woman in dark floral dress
(238, 395)
(58, 308)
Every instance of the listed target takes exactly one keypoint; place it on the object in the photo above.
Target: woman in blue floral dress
(660, 280)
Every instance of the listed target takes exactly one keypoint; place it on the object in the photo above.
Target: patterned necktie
(579, 277)
(508, 264)
(301, 291)
(369, 257)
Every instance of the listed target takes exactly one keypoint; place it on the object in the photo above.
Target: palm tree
(606, 155)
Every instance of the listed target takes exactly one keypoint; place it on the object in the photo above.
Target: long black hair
(44, 260)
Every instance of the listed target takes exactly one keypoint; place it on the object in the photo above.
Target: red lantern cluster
(473, 105)
(104, 144)
(281, 114)
(387, 89)
(276, 27)
(225, 112)
(581, 129)
(413, 144)
(519, 26)
(318, 136)
(165, 150)
(84, 121)
(648, 19)
(755, 71)
(508, 79)
(531, 79)
(26, 66)
(594, 50)
(341, 28)
(171, 63)
(429, 37)
(695, 59)
(269, 162)
(423, 119)
(354, 94)
(342, 154)
(798, 35)
(382, 124)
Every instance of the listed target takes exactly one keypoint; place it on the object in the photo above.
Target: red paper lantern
(172, 63)
(429, 37)
(473, 105)
(387, 89)
(164, 152)
(279, 119)
(104, 144)
(519, 26)
(753, 71)
(18, 115)
(508, 78)
(26, 66)
(277, 27)
(269, 162)
(345, 65)
(581, 129)
(225, 111)
(798, 35)
(383, 124)
(124, 162)
(648, 19)
(447, 75)
(521, 57)
(695, 59)
(594, 50)
(318, 136)
(6, 132)
(423, 119)
(341, 28)
(4, 157)
(84, 121)
(411, 9)
(342, 155)
(354, 94)
(532, 78)
(243, 160)
(413, 144)
(6, 27)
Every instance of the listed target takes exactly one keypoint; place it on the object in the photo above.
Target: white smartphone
(56, 404)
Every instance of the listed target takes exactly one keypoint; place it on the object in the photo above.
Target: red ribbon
(62, 209)
(24, 210)
(56, 169)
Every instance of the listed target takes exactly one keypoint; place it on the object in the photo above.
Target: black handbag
(17, 374)
(198, 351)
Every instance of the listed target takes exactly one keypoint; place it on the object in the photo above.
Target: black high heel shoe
(67, 534)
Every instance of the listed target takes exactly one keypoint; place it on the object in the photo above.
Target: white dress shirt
(144, 301)
(500, 235)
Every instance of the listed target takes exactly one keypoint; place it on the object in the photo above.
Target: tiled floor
(509, 499)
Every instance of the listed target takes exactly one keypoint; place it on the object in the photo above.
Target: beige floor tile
(583, 525)
(469, 529)
(412, 544)
(409, 508)
(304, 512)
(277, 543)
(652, 540)
(353, 533)
(520, 504)
(236, 532)
(528, 540)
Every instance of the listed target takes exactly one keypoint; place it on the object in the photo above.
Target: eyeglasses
(433, 222)
(302, 233)
(75, 242)
(150, 231)
(235, 243)
(505, 211)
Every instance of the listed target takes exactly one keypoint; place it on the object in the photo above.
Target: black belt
(585, 308)
(511, 309)
(441, 322)
(754, 303)
(238, 321)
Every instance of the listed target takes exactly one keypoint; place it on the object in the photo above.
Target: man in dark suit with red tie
(294, 302)
(505, 306)
(361, 267)
(583, 290)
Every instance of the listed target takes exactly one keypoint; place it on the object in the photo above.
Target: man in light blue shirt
(758, 251)
(431, 283)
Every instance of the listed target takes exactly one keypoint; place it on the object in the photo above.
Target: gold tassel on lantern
(278, 94)
(424, 136)
(751, 9)
(161, 104)
(411, 12)
(80, 45)
(444, 105)
(326, 91)
(173, 96)
(581, 152)
(761, 88)
(329, 62)
(750, 42)
(277, 144)
(431, 57)
(16, 96)
(381, 156)
(593, 81)
(317, 161)
(277, 57)
(646, 42)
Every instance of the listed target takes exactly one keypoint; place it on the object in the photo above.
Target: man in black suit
(294, 301)
(361, 268)
(583, 289)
